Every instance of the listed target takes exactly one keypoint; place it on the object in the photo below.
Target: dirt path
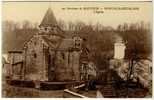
(22, 92)
(11, 91)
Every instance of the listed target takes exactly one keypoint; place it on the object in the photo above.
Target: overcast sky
(34, 11)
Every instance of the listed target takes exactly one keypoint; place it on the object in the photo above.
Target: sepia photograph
(80, 49)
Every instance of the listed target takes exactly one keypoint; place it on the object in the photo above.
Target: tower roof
(49, 19)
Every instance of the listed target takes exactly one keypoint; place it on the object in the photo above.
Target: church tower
(49, 25)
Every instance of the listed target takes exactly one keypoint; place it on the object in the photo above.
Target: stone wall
(76, 65)
(67, 65)
(16, 65)
(35, 60)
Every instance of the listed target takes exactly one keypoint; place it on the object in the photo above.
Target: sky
(34, 12)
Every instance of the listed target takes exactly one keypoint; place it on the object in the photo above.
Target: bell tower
(49, 25)
(77, 41)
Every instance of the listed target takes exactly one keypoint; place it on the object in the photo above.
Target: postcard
(77, 49)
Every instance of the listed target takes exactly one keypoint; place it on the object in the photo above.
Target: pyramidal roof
(49, 19)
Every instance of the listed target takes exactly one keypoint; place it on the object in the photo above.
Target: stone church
(52, 56)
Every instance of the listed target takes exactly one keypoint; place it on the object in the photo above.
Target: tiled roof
(62, 44)
(49, 19)
(53, 43)
(66, 44)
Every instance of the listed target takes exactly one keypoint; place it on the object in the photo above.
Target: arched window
(34, 42)
(35, 55)
(46, 29)
(63, 55)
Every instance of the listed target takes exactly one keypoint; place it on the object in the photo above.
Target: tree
(71, 26)
(62, 24)
(98, 26)
(79, 25)
(26, 24)
(138, 37)
(8, 26)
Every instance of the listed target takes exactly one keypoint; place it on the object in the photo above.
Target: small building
(119, 49)
(15, 64)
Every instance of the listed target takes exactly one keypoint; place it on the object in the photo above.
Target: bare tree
(79, 25)
(98, 26)
(8, 25)
(26, 24)
(71, 26)
(62, 24)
